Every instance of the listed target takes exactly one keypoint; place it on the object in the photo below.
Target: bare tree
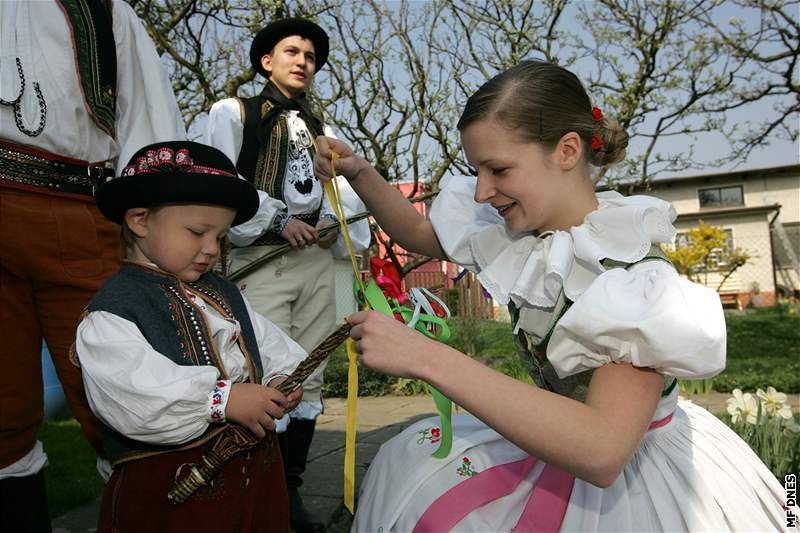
(400, 72)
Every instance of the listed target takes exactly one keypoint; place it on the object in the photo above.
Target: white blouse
(146, 396)
(226, 132)
(37, 33)
(647, 315)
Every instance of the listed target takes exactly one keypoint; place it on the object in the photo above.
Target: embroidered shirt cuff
(279, 221)
(219, 400)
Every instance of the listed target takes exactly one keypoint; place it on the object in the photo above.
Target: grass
(71, 476)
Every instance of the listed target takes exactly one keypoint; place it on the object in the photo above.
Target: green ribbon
(377, 300)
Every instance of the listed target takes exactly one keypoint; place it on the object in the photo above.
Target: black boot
(23, 505)
(298, 441)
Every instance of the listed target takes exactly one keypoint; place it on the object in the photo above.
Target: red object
(388, 279)
(597, 142)
(597, 114)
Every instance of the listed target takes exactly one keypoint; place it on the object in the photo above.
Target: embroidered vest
(158, 304)
(532, 350)
(95, 53)
(264, 165)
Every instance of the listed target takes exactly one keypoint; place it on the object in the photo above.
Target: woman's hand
(255, 407)
(388, 346)
(348, 164)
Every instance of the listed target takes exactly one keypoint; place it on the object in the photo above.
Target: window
(721, 196)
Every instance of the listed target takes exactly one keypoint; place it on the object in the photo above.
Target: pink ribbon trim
(543, 512)
(659, 423)
(491, 484)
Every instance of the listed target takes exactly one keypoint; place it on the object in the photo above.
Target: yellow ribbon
(335, 199)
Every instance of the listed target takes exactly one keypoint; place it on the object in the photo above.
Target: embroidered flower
(466, 470)
(431, 434)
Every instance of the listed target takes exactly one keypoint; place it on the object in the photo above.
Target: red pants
(247, 496)
(55, 252)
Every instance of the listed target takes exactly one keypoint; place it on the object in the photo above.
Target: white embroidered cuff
(219, 400)
(268, 379)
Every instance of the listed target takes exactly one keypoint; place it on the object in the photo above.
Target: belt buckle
(98, 174)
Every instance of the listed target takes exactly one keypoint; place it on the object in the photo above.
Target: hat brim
(267, 38)
(115, 197)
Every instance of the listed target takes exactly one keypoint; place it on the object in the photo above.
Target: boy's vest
(157, 303)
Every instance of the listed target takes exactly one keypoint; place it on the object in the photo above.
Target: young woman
(602, 321)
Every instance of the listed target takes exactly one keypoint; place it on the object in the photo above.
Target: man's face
(291, 64)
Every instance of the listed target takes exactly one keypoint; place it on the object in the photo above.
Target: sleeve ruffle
(648, 316)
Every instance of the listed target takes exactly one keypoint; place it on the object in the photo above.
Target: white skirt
(691, 474)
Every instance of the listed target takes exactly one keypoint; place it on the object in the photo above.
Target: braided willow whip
(234, 438)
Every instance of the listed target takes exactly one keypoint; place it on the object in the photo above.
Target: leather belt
(29, 168)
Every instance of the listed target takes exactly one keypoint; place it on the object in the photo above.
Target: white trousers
(296, 292)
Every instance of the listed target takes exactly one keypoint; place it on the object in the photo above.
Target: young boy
(170, 351)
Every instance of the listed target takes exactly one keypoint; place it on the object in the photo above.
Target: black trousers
(295, 443)
(23, 505)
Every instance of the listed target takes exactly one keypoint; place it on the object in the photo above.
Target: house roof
(783, 170)
(721, 211)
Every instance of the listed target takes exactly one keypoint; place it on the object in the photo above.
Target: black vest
(157, 303)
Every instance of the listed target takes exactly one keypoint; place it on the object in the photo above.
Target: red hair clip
(597, 114)
(597, 142)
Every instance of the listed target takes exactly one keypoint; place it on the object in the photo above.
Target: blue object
(55, 403)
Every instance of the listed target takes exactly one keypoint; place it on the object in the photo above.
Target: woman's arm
(593, 441)
(394, 213)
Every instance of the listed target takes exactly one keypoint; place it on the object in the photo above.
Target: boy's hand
(255, 407)
(299, 234)
(329, 239)
(348, 164)
(293, 398)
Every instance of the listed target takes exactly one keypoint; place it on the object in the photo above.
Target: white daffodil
(743, 407)
(773, 403)
(790, 427)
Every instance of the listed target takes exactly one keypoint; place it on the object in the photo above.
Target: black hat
(177, 172)
(267, 38)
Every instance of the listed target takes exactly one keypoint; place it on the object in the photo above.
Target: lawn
(71, 477)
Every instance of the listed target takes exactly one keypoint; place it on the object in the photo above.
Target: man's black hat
(177, 172)
(267, 38)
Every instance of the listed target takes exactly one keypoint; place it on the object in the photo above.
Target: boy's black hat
(268, 37)
(177, 172)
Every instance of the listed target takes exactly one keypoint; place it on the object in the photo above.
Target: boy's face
(180, 239)
(291, 64)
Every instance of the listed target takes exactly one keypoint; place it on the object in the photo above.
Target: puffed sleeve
(225, 132)
(463, 226)
(136, 390)
(648, 316)
(147, 111)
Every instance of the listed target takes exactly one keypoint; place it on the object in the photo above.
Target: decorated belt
(271, 238)
(25, 167)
